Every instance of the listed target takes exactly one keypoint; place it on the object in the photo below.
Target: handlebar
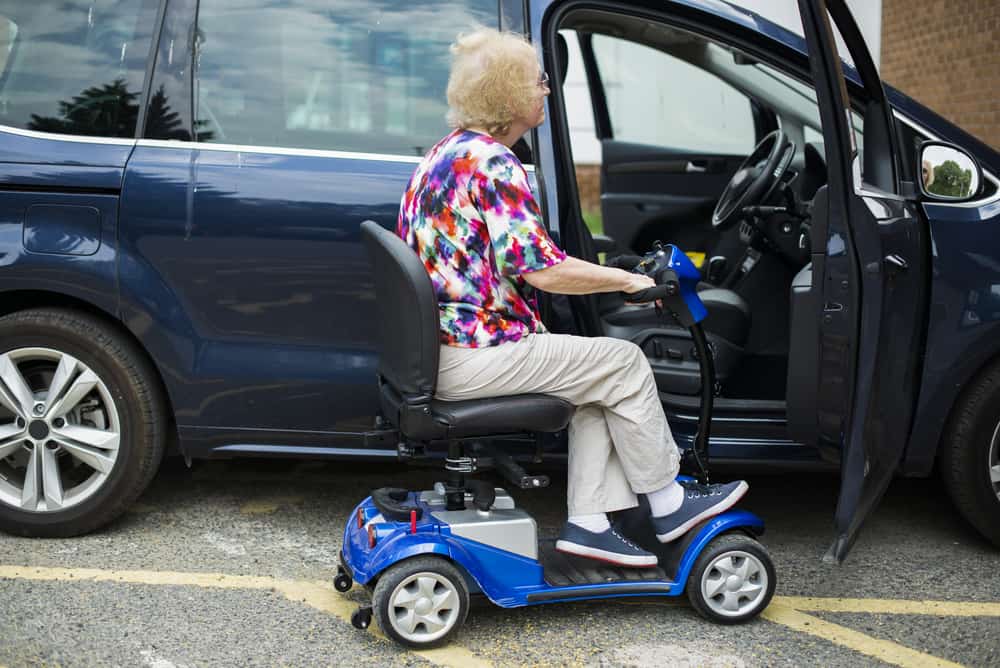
(655, 293)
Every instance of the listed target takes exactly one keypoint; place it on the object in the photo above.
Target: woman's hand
(638, 282)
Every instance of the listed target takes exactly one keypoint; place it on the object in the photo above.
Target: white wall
(586, 148)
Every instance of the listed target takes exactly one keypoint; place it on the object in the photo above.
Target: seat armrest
(604, 244)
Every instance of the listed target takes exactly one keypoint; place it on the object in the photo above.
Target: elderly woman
(469, 213)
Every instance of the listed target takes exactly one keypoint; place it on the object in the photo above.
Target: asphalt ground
(230, 564)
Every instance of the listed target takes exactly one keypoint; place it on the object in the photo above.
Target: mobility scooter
(422, 553)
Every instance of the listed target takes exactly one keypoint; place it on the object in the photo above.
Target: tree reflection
(111, 110)
(108, 110)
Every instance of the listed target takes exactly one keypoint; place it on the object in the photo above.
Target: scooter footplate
(564, 570)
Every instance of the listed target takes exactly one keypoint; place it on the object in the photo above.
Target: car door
(672, 135)
(869, 272)
(274, 130)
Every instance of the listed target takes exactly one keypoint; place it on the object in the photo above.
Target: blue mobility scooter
(422, 553)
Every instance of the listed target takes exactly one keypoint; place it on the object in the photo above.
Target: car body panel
(265, 321)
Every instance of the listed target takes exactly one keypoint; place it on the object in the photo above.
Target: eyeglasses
(543, 80)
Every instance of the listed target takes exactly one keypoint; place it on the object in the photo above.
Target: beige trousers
(620, 443)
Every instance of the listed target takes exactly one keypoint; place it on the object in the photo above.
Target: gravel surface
(283, 519)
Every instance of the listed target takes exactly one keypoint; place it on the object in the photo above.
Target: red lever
(413, 521)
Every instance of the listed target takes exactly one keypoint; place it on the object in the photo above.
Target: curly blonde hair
(493, 79)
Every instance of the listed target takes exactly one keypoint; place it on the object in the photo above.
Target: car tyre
(127, 393)
(970, 455)
(421, 602)
(732, 580)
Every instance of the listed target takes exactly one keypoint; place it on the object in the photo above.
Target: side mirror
(947, 172)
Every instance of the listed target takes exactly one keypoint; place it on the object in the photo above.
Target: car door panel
(870, 275)
(667, 193)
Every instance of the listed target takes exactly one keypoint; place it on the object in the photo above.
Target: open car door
(869, 272)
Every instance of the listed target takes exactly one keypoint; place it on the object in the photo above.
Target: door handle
(692, 168)
(896, 263)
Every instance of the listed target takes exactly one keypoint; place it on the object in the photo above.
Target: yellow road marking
(319, 595)
(891, 606)
(268, 505)
(784, 610)
(884, 650)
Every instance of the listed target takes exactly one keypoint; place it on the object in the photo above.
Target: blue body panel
(507, 579)
(688, 277)
(249, 271)
(59, 217)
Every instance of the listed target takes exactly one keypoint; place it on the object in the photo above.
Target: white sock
(666, 500)
(595, 522)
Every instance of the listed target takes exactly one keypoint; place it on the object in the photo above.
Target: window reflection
(347, 75)
(74, 66)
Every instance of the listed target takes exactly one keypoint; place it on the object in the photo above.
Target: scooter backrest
(408, 320)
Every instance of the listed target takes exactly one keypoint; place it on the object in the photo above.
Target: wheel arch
(13, 301)
(930, 427)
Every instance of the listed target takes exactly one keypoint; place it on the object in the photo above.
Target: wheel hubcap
(994, 461)
(734, 584)
(59, 430)
(424, 607)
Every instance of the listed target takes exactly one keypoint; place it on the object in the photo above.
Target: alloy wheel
(993, 461)
(59, 430)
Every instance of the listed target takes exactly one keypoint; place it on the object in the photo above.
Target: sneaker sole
(578, 550)
(718, 508)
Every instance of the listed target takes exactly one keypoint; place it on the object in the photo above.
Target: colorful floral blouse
(469, 214)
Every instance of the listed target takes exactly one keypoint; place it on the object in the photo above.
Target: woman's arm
(574, 276)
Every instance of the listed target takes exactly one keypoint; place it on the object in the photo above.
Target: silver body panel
(503, 526)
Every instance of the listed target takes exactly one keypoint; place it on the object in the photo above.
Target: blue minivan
(182, 184)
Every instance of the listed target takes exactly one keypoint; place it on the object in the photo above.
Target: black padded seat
(728, 313)
(503, 415)
(409, 347)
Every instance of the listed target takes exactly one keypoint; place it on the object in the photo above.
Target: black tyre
(732, 580)
(421, 602)
(970, 453)
(82, 423)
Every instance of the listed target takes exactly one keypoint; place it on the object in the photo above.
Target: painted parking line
(884, 650)
(788, 611)
(319, 595)
(891, 606)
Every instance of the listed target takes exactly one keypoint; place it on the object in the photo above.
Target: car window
(347, 76)
(8, 33)
(655, 98)
(74, 66)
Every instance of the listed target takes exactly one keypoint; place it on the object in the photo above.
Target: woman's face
(535, 115)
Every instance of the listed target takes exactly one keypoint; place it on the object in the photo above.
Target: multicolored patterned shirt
(469, 214)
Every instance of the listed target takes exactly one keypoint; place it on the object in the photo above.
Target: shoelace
(626, 540)
(697, 490)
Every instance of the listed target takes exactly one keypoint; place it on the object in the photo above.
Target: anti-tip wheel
(421, 602)
(361, 618)
(343, 582)
(733, 579)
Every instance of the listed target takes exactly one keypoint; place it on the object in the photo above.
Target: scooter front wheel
(421, 602)
(733, 579)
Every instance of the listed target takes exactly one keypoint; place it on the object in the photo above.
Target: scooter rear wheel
(421, 602)
(733, 579)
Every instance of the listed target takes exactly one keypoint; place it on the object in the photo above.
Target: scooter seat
(499, 415)
(440, 420)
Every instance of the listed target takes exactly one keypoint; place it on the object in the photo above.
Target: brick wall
(946, 55)
(588, 181)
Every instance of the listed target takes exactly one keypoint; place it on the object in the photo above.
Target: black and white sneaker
(609, 546)
(700, 503)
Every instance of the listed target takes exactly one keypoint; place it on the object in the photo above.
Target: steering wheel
(755, 178)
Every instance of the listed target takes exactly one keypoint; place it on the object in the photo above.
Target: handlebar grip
(651, 294)
(626, 262)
